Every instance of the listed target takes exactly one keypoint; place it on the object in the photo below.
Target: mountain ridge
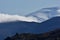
(10, 28)
(45, 14)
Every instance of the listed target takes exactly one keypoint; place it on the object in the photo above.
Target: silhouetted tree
(52, 35)
(8, 38)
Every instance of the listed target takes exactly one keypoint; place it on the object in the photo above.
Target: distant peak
(50, 9)
(54, 7)
(45, 13)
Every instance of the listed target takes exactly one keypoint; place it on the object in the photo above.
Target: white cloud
(58, 11)
(8, 18)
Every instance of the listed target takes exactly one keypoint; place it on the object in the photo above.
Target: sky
(24, 7)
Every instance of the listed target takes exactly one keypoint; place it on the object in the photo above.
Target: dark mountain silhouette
(10, 28)
(52, 35)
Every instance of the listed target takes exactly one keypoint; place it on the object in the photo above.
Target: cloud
(58, 11)
(8, 18)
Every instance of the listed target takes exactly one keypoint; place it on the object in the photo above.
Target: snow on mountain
(8, 18)
(45, 14)
(38, 16)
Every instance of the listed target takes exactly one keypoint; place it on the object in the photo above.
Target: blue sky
(24, 7)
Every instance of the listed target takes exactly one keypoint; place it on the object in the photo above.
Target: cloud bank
(8, 18)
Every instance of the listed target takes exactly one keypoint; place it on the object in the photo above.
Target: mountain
(45, 14)
(51, 35)
(49, 18)
(10, 28)
(37, 16)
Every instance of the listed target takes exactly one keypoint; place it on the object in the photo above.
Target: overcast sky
(24, 7)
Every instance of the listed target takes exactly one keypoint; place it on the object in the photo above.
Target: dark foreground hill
(52, 35)
(10, 28)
